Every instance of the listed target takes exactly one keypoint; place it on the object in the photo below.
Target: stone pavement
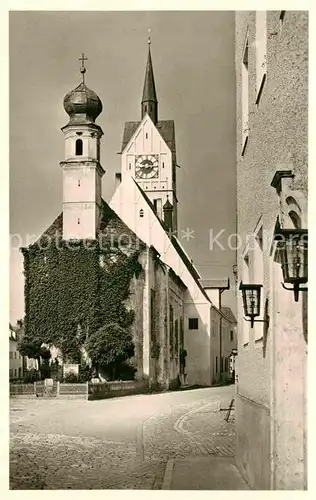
(124, 443)
(203, 473)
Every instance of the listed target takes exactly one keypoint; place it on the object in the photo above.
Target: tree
(109, 347)
(33, 349)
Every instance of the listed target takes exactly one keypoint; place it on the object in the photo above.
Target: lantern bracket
(252, 320)
(296, 289)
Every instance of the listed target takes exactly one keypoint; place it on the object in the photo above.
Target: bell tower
(148, 153)
(82, 170)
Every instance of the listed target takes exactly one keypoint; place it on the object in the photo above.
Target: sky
(194, 67)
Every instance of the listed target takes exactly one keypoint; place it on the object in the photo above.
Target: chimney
(167, 214)
(118, 180)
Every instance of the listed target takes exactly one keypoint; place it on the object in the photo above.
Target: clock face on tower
(146, 166)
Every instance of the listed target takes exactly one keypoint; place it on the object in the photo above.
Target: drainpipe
(167, 340)
(220, 291)
(220, 331)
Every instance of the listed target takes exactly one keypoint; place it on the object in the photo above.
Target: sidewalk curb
(167, 480)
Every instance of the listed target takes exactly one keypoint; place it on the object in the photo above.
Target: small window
(11, 355)
(163, 164)
(15, 372)
(15, 354)
(282, 14)
(146, 135)
(216, 364)
(141, 213)
(145, 108)
(11, 372)
(79, 147)
(193, 323)
(79, 183)
(231, 335)
(78, 221)
(129, 166)
(296, 220)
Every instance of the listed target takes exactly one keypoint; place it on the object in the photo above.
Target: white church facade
(164, 305)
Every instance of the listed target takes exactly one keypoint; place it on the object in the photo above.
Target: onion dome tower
(82, 171)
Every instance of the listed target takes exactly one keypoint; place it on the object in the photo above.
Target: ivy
(74, 288)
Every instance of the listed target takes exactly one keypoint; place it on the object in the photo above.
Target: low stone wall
(22, 390)
(85, 390)
(117, 389)
(72, 391)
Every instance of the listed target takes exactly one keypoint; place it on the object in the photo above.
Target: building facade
(272, 156)
(15, 358)
(121, 261)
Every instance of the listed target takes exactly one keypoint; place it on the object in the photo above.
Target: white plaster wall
(288, 404)
(90, 138)
(86, 213)
(89, 188)
(213, 296)
(197, 344)
(127, 201)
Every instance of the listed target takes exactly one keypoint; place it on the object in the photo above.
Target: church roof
(165, 128)
(111, 228)
(177, 245)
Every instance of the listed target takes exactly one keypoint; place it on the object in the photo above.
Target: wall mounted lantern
(292, 245)
(251, 301)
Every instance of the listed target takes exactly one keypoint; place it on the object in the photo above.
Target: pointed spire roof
(167, 205)
(149, 91)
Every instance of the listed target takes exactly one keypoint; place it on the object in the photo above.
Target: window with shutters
(245, 95)
(261, 52)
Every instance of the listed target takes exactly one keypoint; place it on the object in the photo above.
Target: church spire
(149, 100)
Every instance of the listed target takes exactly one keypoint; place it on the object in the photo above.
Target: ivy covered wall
(71, 290)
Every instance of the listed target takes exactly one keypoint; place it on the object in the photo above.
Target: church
(121, 261)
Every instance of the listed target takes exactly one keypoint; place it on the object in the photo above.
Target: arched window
(294, 212)
(79, 147)
(296, 220)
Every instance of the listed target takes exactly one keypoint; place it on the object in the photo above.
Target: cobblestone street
(122, 443)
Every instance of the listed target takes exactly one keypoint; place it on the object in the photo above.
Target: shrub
(71, 378)
(109, 347)
(174, 384)
(31, 376)
(85, 373)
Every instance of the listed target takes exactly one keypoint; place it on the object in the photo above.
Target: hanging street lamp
(251, 301)
(292, 245)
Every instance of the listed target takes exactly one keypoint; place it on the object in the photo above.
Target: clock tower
(149, 153)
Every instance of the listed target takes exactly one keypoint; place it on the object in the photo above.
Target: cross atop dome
(83, 69)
